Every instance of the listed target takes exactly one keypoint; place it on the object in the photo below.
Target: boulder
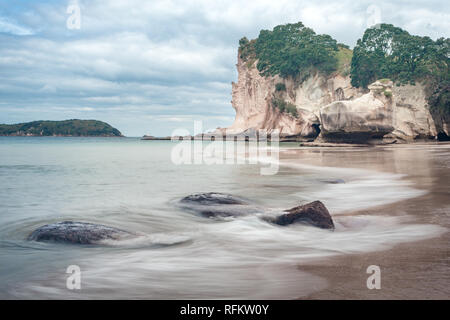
(219, 205)
(412, 117)
(77, 233)
(314, 213)
(212, 198)
(367, 117)
(214, 204)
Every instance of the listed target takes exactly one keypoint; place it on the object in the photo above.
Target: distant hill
(66, 128)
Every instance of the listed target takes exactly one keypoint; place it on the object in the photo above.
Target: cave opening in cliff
(442, 136)
(316, 127)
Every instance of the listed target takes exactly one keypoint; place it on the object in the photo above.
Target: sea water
(134, 185)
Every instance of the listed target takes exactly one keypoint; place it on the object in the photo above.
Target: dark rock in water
(212, 198)
(214, 204)
(314, 213)
(77, 232)
(219, 205)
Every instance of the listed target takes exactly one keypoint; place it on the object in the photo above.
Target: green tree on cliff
(386, 51)
(291, 50)
(370, 55)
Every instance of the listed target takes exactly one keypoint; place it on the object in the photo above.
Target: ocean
(134, 185)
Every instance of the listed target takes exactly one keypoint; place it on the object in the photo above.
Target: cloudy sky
(149, 67)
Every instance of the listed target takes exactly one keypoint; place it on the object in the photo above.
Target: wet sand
(414, 270)
(409, 271)
(181, 256)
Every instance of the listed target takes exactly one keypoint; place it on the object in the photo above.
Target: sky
(150, 67)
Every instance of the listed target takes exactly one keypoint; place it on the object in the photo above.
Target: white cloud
(165, 61)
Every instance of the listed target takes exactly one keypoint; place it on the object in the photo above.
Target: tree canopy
(290, 50)
(386, 51)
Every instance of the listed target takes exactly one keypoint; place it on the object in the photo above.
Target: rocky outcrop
(220, 205)
(412, 118)
(369, 116)
(253, 94)
(314, 213)
(332, 107)
(77, 233)
(212, 198)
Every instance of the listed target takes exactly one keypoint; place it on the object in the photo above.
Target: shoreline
(302, 141)
(403, 273)
(416, 269)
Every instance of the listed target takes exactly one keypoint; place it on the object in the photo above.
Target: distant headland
(65, 128)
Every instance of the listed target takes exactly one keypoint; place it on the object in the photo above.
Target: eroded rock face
(442, 123)
(77, 233)
(314, 213)
(367, 117)
(252, 99)
(402, 117)
(212, 205)
(412, 118)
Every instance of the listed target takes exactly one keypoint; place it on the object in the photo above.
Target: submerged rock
(77, 232)
(314, 213)
(212, 198)
(214, 204)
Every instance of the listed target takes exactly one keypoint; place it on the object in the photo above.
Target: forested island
(66, 128)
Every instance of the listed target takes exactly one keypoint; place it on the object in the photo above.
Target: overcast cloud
(154, 66)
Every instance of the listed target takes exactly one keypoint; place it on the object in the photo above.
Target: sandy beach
(416, 270)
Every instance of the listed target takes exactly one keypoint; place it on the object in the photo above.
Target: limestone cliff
(253, 94)
(331, 105)
(412, 118)
(367, 117)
